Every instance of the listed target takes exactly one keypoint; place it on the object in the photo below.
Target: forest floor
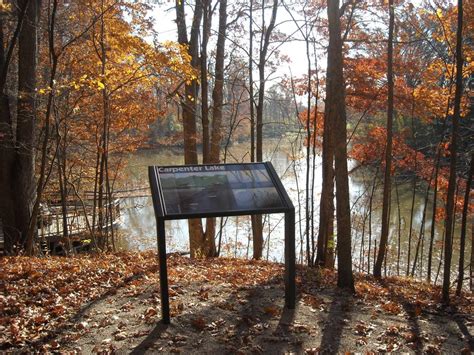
(111, 304)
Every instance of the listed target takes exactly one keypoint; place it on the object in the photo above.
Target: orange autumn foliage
(369, 150)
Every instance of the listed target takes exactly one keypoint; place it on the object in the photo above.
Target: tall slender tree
(18, 148)
(388, 148)
(336, 111)
(189, 106)
(217, 106)
(449, 220)
(465, 207)
(206, 29)
(7, 137)
(257, 224)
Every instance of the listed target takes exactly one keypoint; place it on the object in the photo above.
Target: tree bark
(399, 230)
(7, 154)
(335, 99)
(265, 42)
(188, 104)
(24, 180)
(471, 279)
(433, 217)
(218, 91)
(448, 241)
(204, 82)
(217, 105)
(309, 257)
(421, 235)
(326, 207)
(412, 213)
(191, 90)
(252, 103)
(465, 207)
(387, 186)
(257, 223)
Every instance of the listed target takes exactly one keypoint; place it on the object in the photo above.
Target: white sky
(164, 16)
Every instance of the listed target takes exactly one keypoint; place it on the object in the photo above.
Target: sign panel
(223, 188)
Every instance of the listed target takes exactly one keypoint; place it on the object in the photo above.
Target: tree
(449, 220)
(89, 114)
(218, 91)
(206, 29)
(189, 107)
(257, 224)
(465, 207)
(217, 106)
(388, 149)
(17, 177)
(336, 111)
(326, 206)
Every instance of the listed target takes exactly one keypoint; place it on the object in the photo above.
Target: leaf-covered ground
(111, 303)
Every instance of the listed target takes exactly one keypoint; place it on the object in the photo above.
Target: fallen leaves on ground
(40, 295)
(43, 298)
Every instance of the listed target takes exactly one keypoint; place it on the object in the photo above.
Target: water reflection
(139, 230)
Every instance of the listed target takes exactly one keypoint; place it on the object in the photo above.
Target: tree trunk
(448, 241)
(218, 92)
(24, 180)
(7, 213)
(412, 212)
(471, 279)
(104, 138)
(463, 226)
(42, 180)
(387, 185)
(326, 206)
(399, 230)
(61, 161)
(188, 104)
(257, 223)
(433, 217)
(252, 103)
(421, 235)
(7, 156)
(371, 200)
(217, 104)
(7, 140)
(204, 82)
(309, 216)
(335, 99)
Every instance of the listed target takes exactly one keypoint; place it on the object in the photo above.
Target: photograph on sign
(218, 188)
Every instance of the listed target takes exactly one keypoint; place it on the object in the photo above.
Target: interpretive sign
(219, 190)
(188, 190)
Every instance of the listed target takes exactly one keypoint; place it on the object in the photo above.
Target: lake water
(138, 229)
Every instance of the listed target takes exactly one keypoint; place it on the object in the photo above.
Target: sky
(164, 16)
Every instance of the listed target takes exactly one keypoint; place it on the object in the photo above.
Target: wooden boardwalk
(78, 217)
(142, 191)
(78, 221)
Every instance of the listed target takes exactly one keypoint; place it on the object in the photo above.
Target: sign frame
(161, 215)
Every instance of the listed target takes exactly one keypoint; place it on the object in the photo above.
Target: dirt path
(215, 317)
(235, 306)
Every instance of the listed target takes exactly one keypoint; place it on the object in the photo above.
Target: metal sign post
(165, 299)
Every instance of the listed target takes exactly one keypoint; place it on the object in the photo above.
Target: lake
(138, 230)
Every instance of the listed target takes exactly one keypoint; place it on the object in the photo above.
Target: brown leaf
(120, 336)
(272, 310)
(151, 312)
(391, 307)
(199, 323)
